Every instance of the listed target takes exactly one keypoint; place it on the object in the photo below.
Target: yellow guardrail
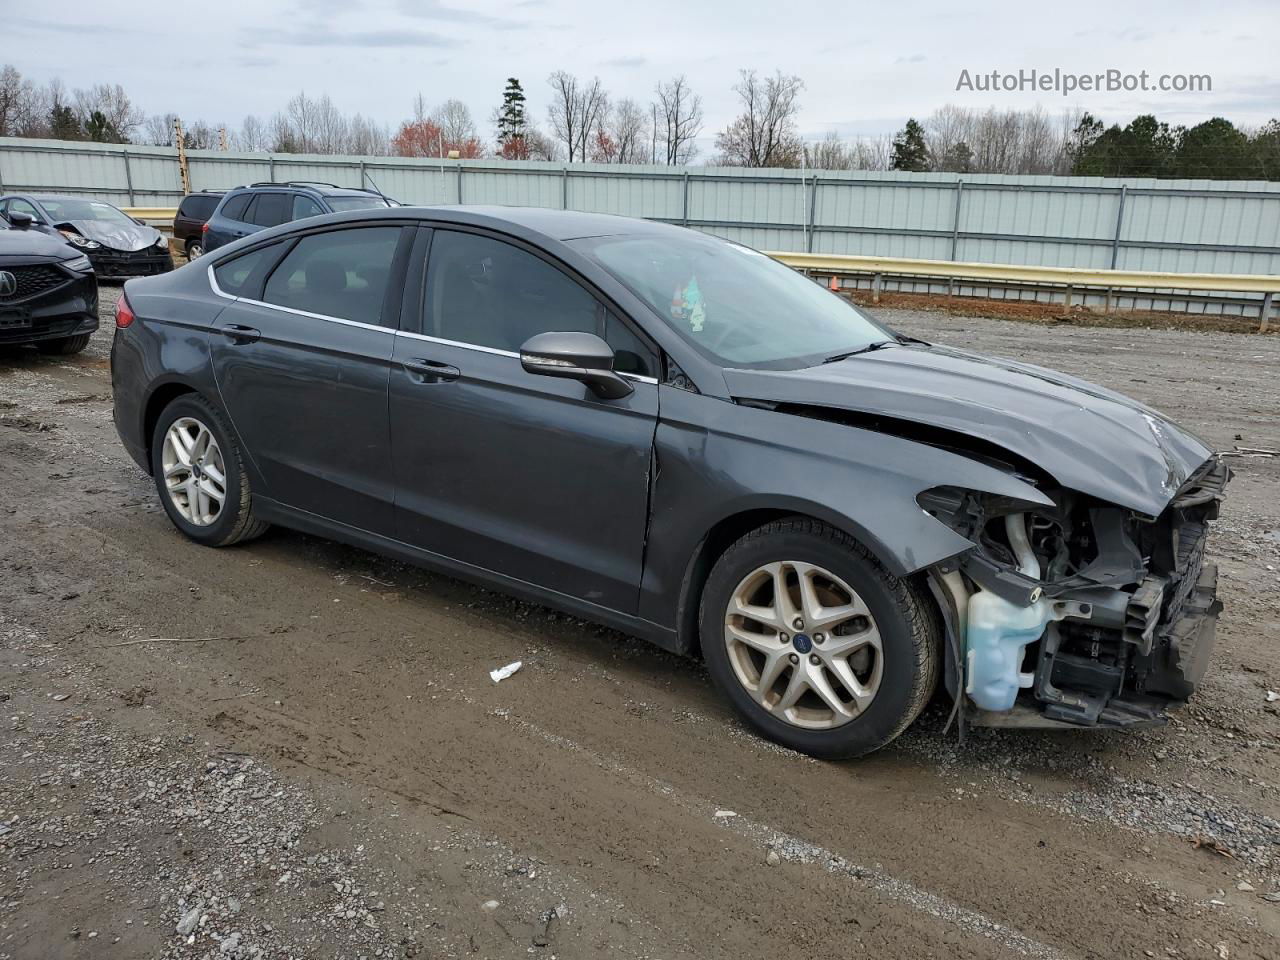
(152, 213)
(1069, 277)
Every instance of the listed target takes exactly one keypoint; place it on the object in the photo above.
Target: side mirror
(575, 356)
(19, 220)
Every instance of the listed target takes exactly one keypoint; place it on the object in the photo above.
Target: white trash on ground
(503, 672)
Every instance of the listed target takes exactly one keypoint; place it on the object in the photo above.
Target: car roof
(550, 222)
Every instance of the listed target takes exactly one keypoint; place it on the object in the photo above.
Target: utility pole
(180, 140)
(654, 155)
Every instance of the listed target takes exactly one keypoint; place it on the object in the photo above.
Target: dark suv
(193, 213)
(246, 210)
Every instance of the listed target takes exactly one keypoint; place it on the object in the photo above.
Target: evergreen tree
(101, 130)
(909, 150)
(1216, 150)
(511, 120)
(63, 124)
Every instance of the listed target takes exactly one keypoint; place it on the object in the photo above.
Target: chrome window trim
(213, 282)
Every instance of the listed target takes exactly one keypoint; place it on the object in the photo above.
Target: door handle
(240, 335)
(431, 371)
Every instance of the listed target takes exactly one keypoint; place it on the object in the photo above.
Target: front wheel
(200, 474)
(816, 645)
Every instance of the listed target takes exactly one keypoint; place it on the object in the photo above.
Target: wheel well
(718, 539)
(164, 395)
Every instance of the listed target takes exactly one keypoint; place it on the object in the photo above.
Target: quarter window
(342, 273)
(489, 293)
(234, 208)
(304, 207)
(242, 276)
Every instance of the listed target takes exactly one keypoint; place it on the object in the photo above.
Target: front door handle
(240, 335)
(422, 370)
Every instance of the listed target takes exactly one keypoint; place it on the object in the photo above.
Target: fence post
(1265, 314)
(1115, 243)
(459, 182)
(128, 177)
(564, 187)
(685, 209)
(876, 280)
(271, 167)
(813, 210)
(955, 235)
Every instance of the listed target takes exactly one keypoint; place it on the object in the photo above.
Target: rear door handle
(422, 370)
(239, 335)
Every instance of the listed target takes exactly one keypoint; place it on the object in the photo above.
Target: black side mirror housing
(575, 356)
(19, 220)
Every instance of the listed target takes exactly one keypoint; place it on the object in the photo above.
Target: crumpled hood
(118, 236)
(1090, 439)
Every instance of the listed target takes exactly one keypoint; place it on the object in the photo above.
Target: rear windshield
(342, 204)
(199, 207)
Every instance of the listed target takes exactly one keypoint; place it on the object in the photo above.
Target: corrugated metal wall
(1175, 225)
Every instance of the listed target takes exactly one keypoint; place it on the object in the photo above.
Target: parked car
(684, 439)
(246, 210)
(48, 294)
(193, 213)
(118, 245)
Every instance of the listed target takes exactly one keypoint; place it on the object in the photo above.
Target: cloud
(625, 62)
(914, 58)
(315, 36)
(435, 10)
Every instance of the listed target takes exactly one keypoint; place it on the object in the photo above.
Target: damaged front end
(1084, 614)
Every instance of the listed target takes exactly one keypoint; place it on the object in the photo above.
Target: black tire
(194, 250)
(908, 622)
(64, 346)
(235, 522)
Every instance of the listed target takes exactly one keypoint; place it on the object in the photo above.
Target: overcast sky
(866, 66)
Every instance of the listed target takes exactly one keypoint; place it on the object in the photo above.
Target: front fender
(717, 460)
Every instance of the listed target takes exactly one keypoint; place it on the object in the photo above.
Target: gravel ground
(327, 770)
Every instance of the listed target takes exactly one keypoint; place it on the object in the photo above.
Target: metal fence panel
(1191, 226)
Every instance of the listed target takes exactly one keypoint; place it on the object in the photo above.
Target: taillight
(204, 227)
(124, 312)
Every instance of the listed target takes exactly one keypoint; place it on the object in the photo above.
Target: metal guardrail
(1072, 279)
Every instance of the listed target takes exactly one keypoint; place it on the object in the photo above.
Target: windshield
(342, 204)
(61, 209)
(742, 308)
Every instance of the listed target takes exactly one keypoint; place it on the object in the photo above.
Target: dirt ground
(294, 749)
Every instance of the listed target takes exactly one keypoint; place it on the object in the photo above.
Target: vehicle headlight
(78, 241)
(162, 241)
(79, 264)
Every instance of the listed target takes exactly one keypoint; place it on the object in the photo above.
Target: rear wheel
(200, 474)
(815, 643)
(64, 346)
(195, 249)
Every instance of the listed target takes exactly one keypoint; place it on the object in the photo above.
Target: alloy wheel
(194, 471)
(803, 644)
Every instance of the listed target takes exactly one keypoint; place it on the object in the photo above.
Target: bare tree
(253, 135)
(622, 134)
(111, 102)
(575, 112)
(830, 153)
(764, 134)
(679, 120)
(455, 123)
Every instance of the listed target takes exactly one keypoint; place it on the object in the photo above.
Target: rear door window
(341, 273)
(234, 209)
(271, 209)
(197, 208)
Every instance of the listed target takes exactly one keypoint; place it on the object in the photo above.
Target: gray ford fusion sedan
(684, 439)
